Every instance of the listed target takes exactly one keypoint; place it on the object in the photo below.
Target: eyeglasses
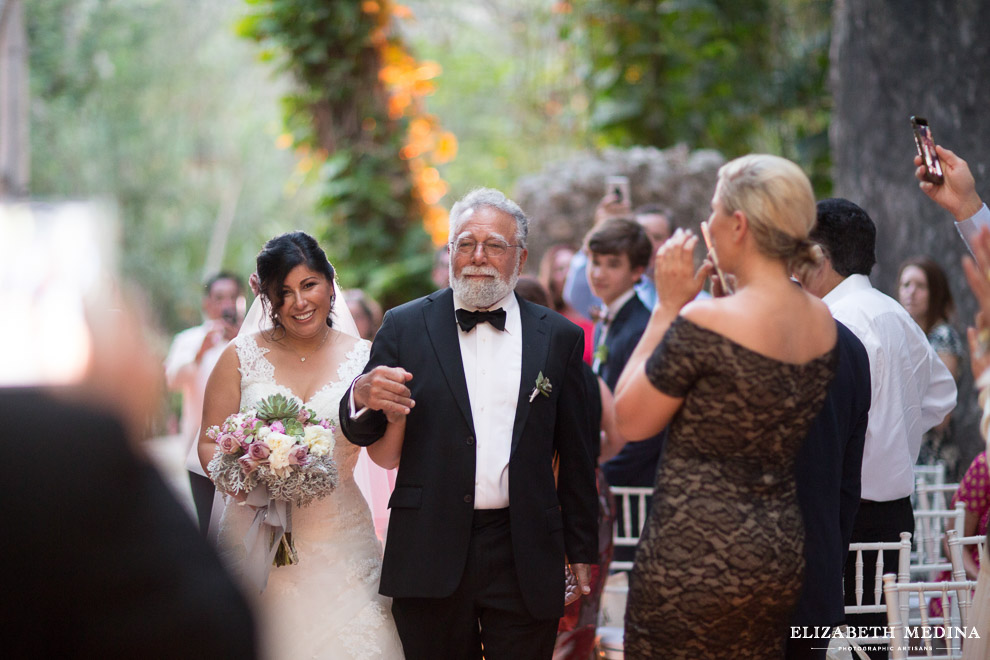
(490, 248)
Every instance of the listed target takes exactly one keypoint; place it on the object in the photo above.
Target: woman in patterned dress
(739, 379)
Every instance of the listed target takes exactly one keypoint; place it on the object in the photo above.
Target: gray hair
(494, 199)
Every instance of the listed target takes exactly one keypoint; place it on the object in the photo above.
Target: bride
(327, 605)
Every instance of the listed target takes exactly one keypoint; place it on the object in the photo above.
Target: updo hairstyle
(779, 204)
(277, 259)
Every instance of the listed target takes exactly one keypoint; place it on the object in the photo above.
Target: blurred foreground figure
(102, 561)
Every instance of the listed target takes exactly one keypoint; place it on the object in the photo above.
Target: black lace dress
(720, 564)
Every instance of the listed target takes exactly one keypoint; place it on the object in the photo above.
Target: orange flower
(446, 148)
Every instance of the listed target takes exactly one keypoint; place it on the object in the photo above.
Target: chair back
(626, 532)
(869, 597)
(931, 474)
(929, 557)
(927, 637)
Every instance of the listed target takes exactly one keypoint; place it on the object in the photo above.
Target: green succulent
(277, 406)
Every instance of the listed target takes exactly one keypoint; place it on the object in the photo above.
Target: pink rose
(248, 464)
(303, 416)
(258, 451)
(213, 432)
(299, 455)
(277, 427)
(228, 443)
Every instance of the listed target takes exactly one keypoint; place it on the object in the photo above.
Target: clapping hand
(677, 281)
(384, 388)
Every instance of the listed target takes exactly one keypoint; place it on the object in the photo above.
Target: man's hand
(583, 574)
(384, 388)
(957, 194)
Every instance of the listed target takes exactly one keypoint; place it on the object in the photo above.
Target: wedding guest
(480, 533)
(102, 561)
(828, 469)
(957, 194)
(912, 390)
(739, 379)
(190, 360)
(923, 290)
(654, 218)
(441, 267)
(552, 276)
(619, 252)
(366, 311)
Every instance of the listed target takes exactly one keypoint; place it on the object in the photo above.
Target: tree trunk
(14, 161)
(892, 59)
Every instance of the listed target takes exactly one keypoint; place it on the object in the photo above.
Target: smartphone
(926, 149)
(57, 270)
(726, 286)
(618, 188)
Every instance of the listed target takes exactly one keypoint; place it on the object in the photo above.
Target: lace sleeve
(673, 367)
(254, 367)
(355, 361)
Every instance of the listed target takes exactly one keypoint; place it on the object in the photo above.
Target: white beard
(482, 293)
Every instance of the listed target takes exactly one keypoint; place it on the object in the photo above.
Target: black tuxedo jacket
(100, 560)
(432, 505)
(828, 471)
(636, 463)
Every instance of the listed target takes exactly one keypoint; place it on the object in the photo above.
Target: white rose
(263, 432)
(319, 440)
(279, 458)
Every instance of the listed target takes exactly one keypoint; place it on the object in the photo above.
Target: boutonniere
(601, 354)
(543, 387)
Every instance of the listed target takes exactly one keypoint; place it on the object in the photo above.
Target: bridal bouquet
(281, 449)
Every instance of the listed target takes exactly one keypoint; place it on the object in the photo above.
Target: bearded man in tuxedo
(489, 388)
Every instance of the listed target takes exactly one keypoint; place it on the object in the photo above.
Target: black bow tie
(467, 320)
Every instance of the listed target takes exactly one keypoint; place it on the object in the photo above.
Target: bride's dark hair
(277, 259)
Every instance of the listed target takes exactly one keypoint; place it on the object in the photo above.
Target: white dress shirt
(970, 227)
(610, 311)
(183, 351)
(912, 390)
(492, 366)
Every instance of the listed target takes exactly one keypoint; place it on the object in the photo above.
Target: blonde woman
(739, 380)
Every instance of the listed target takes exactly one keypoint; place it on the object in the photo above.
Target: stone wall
(561, 199)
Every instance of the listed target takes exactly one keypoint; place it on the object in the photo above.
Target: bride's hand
(677, 282)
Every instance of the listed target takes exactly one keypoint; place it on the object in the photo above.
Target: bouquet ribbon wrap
(272, 520)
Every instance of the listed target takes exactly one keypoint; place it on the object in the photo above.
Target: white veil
(375, 483)
(255, 320)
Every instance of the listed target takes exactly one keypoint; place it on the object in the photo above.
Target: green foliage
(157, 105)
(734, 75)
(510, 88)
(338, 116)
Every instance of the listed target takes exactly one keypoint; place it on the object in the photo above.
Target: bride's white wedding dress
(327, 605)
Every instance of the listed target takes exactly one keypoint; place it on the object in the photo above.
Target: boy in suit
(619, 252)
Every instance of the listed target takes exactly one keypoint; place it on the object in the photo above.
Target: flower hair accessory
(543, 387)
